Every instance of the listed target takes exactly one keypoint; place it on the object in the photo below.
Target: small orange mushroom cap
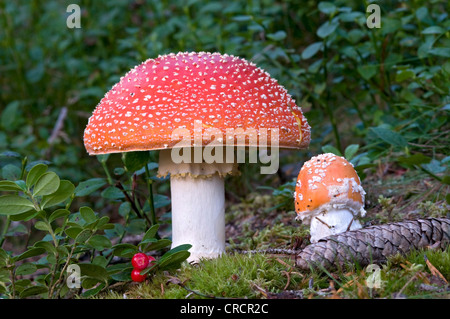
(325, 182)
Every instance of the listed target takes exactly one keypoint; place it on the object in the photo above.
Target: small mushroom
(329, 196)
(182, 104)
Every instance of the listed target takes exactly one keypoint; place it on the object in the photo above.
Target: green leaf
(326, 29)
(124, 209)
(88, 187)
(73, 231)
(160, 200)
(47, 246)
(151, 232)
(33, 291)
(150, 166)
(178, 248)
(102, 223)
(64, 191)
(3, 256)
(41, 225)
(350, 151)
(35, 173)
(277, 36)
(125, 250)
(99, 242)
(327, 7)
(173, 260)
(331, 149)
(25, 216)
(83, 236)
(93, 271)
(433, 30)
(26, 269)
(11, 172)
(112, 192)
(58, 214)
(14, 204)
(134, 161)
(434, 166)
(446, 179)
(389, 136)
(88, 214)
(47, 184)
(311, 50)
(102, 158)
(101, 261)
(32, 252)
(367, 71)
(10, 186)
(390, 25)
(416, 159)
(441, 52)
(155, 244)
(92, 292)
(403, 75)
(9, 115)
(241, 18)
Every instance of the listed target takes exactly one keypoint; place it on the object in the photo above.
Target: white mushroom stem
(198, 215)
(331, 222)
(198, 203)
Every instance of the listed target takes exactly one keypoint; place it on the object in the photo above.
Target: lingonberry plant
(38, 205)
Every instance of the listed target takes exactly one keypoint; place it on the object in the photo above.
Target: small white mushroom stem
(198, 215)
(331, 222)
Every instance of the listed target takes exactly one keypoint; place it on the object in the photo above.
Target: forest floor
(253, 225)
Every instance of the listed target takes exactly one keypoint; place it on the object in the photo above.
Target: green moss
(230, 276)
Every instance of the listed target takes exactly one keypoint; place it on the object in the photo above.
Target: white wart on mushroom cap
(177, 91)
(329, 195)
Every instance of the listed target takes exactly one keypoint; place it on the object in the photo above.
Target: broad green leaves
(41, 189)
(47, 184)
(34, 174)
(67, 233)
(389, 136)
(14, 204)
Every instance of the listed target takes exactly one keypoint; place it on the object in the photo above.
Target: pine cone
(374, 244)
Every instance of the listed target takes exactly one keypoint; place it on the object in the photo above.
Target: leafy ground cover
(378, 96)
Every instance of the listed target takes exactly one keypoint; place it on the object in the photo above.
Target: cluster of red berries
(140, 261)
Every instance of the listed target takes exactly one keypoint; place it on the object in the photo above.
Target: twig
(56, 130)
(407, 283)
(272, 251)
(288, 275)
(132, 202)
(58, 125)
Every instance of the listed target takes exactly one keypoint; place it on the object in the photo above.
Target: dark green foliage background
(380, 88)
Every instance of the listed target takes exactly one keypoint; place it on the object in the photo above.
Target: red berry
(136, 276)
(151, 259)
(140, 261)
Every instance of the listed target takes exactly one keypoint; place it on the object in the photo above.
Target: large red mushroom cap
(173, 91)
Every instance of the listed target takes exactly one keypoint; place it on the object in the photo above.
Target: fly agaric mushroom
(189, 94)
(329, 196)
